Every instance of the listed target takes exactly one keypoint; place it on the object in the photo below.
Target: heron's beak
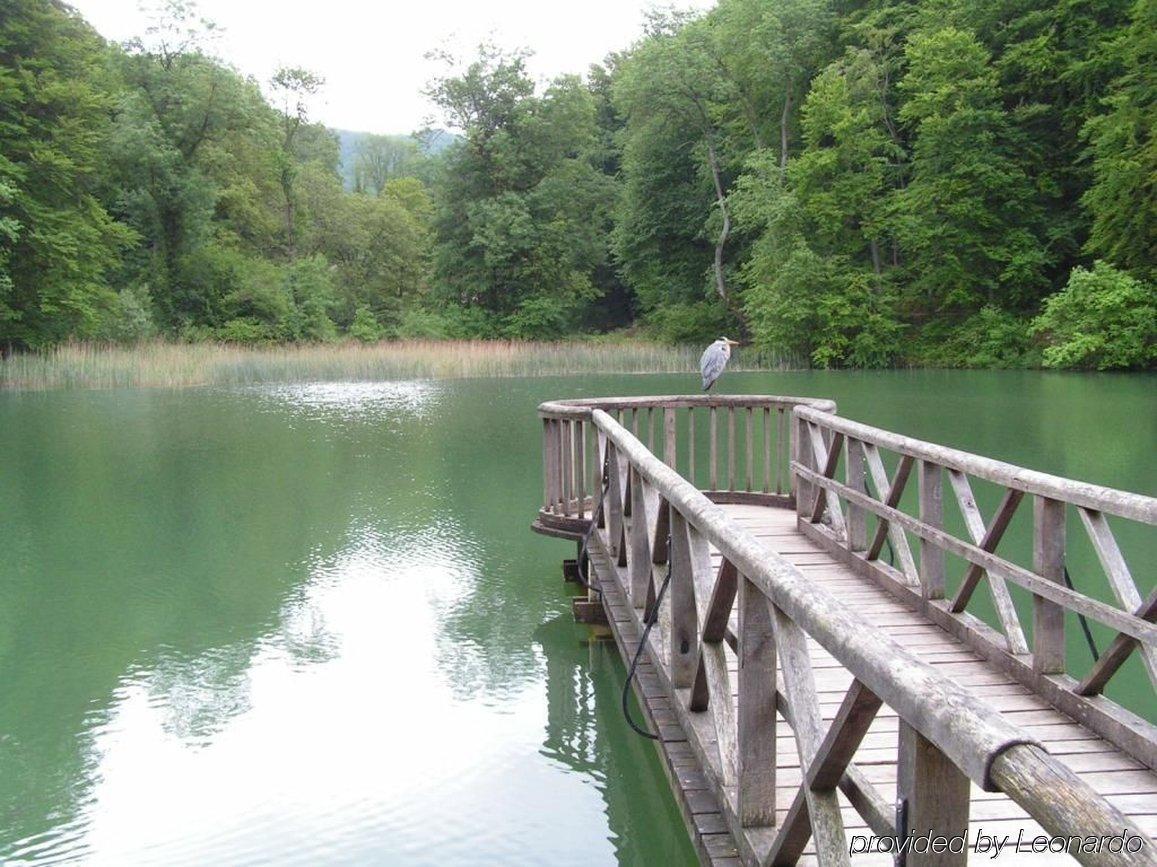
(734, 343)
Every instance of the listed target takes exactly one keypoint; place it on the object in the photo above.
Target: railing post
(932, 799)
(546, 464)
(1048, 561)
(639, 567)
(669, 450)
(856, 480)
(684, 641)
(614, 507)
(931, 482)
(756, 729)
(801, 452)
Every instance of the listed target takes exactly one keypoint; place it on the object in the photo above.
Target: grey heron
(714, 360)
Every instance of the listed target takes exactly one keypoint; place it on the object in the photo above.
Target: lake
(308, 624)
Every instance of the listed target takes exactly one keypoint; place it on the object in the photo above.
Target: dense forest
(850, 182)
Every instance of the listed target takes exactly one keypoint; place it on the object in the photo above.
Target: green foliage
(855, 184)
(1123, 143)
(58, 242)
(129, 319)
(1104, 319)
(690, 322)
(991, 338)
(522, 211)
(366, 327)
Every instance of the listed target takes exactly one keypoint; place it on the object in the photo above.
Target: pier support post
(933, 799)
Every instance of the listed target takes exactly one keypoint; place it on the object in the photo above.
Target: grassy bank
(185, 364)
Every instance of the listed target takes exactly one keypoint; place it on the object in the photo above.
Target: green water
(309, 624)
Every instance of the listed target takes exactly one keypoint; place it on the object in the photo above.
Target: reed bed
(163, 364)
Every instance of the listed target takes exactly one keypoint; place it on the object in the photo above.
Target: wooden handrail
(1043, 667)
(963, 726)
(1135, 507)
(571, 479)
(949, 735)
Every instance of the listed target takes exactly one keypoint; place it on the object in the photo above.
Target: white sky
(371, 53)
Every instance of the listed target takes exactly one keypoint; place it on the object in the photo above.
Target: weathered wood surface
(824, 694)
(867, 739)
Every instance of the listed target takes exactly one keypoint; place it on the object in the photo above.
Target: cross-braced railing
(737, 448)
(734, 641)
(848, 501)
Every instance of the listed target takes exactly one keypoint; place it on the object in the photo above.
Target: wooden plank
(987, 539)
(1117, 652)
(731, 448)
(714, 444)
(756, 710)
(684, 616)
(1120, 579)
(1048, 561)
(750, 444)
(767, 450)
(930, 481)
(780, 439)
(691, 446)
(639, 559)
(854, 476)
(890, 494)
(823, 807)
(934, 797)
(827, 459)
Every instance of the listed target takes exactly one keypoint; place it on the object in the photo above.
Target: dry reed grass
(164, 364)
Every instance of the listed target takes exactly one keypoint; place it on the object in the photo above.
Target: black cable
(649, 618)
(1084, 623)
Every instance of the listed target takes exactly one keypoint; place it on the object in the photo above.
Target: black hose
(1084, 623)
(649, 618)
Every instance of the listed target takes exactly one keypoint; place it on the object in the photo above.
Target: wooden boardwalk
(906, 717)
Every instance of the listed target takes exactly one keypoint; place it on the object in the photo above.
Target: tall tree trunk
(784, 120)
(876, 264)
(721, 200)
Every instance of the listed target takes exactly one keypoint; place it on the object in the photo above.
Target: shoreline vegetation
(174, 365)
(859, 185)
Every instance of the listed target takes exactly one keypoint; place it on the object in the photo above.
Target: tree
(58, 243)
(383, 158)
(1123, 145)
(293, 87)
(669, 91)
(1103, 319)
(969, 219)
(522, 210)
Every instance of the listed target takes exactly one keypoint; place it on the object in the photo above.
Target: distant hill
(433, 143)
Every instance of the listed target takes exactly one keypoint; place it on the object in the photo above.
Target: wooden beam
(930, 482)
(1048, 561)
(1117, 652)
(890, 495)
(1120, 579)
(823, 807)
(987, 539)
(828, 768)
(684, 641)
(756, 733)
(934, 798)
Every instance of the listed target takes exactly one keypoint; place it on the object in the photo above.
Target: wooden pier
(848, 652)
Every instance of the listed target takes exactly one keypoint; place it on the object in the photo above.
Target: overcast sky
(371, 53)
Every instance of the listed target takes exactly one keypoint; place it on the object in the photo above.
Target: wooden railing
(653, 521)
(849, 502)
(737, 448)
